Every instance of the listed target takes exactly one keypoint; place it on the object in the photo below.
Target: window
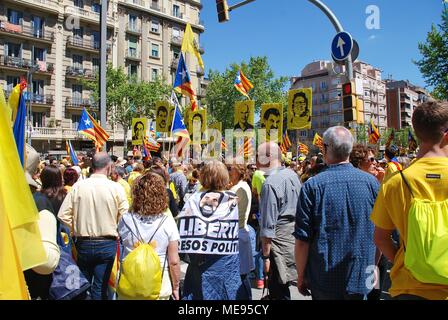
(37, 24)
(39, 119)
(176, 11)
(15, 17)
(303, 133)
(78, 35)
(155, 26)
(37, 89)
(96, 7)
(75, 120)
(154, 74)
(176, 32)
(155, 50)
(323, 85)
(132, 22)
(176, 53)
(132, 70)
(38, 54)
(78, 3)
(96, 39)
(132, 46)
(13, 50)
(77, 61)
(77, 94)
(11, 82)
(95, 65)
(313, 86)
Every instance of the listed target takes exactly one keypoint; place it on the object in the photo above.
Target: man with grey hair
(334, 250)
(92, 210)
(278, 203)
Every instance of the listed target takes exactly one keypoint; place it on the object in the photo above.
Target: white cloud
(372, 37)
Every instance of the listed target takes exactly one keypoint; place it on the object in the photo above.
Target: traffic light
(349, 102)
(223, 10)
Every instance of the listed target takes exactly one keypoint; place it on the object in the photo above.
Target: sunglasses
(372, 159)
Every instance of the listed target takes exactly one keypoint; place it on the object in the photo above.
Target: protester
(363, 157)
(393, 165)
(238, 182)
(334, 237)
(171, 200)
(137, 171)
(92, 210)
(70, 178)
(52, 186)
(278, 204)
(146, 221)
(180, 182)
(193, 185)
(213, 275)
(415, 203)
(117, 174)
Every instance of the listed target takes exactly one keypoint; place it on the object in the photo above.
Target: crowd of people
(326, 223)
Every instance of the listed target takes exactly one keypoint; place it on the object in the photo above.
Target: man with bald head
(92, 210)
(278, 204)
(334, 237)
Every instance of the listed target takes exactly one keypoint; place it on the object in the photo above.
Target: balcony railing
(154, 6)
(80, 72)
(26, 31)
(176, 40)
(131, 54)
(177, 14)
(76, 102)
(20, 63)
(83, 43)
(43, 99)
(132, 28)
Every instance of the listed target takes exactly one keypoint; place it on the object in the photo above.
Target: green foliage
(222, 95)
(434, 64)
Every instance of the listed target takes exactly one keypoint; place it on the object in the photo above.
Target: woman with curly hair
(147, 220)
(363, 157)
(70, 178)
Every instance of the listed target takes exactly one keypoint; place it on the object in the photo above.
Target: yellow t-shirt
(392, 167)
(391, 212)
(127, 190)
(132, 176)
(257, 181)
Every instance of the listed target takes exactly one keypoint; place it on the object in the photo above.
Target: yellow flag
(16, 202)
(189, 44)
(12, 280)
(13, 102)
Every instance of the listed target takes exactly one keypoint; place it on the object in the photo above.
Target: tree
(221, 94)
(434, 64)
(129, 98)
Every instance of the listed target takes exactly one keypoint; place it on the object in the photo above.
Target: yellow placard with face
(272, 119)
(300, 108)
(244, 115)
(198, 123)
(138, 130)
(163, 109)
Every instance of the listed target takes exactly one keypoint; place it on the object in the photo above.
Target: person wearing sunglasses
(363, 158)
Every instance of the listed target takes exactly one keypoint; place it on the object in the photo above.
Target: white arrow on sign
(340, 45)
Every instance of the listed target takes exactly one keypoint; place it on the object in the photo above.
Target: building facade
(326, 79)
(54, 44)
(402, 97)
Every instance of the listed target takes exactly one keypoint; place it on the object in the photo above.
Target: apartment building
(54, 44)
(402, 97)
(326, 79)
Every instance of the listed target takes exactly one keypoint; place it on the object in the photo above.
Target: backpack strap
(158, 227)
(407, 184)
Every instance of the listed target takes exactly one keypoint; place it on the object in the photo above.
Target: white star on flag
(87, 122)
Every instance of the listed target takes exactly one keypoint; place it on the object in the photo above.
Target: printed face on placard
(244, 115)
(272, 119)
(162, 116)
(299, 109)
(138, 130)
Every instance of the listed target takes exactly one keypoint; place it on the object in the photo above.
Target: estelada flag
(318, 142)
(242, 84)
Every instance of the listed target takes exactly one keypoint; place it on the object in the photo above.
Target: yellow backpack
(426, 250)
(141, 274)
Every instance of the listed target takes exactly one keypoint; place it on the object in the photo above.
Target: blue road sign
(342, 46)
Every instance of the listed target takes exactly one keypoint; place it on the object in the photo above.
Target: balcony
(83, 44)
(201, 93)
(177, 14)
(36, 99)
(133, 55)
(26, 33)
(16, 63)
(87, 15)
(79, 103)
(155, 6)
(176, 40)
(76, 73)
(50, 6)
(133, 29)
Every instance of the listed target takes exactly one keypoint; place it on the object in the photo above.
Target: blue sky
(292, 33)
